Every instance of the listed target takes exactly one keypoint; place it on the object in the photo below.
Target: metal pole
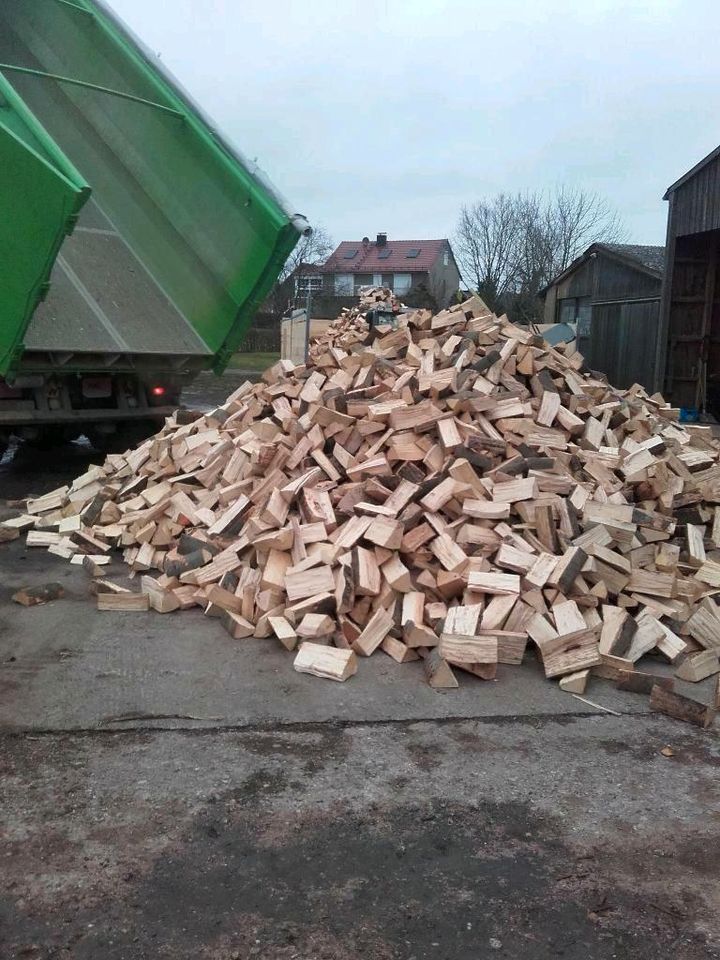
(75, 6)
(10, 68)
(308, 305)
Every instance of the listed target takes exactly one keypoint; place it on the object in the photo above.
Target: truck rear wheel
(49, 438)
(127, 436)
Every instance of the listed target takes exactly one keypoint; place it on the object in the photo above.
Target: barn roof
(646, 258)
(713, 155)
(652, 257)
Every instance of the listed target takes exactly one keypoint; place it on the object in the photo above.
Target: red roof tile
(367, 258)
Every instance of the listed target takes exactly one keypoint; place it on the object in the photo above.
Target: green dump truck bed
(131, 232)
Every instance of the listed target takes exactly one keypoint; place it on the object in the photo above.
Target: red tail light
(158, 391)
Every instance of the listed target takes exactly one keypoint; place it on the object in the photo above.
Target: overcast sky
(390, 114)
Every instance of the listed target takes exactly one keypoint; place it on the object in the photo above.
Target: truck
(136, 242)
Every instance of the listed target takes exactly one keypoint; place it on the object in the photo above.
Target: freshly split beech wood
(327, 662)
(450, 489)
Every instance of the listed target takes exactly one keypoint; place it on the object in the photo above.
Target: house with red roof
(415, 270)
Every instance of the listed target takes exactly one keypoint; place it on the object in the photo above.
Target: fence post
(308, 305)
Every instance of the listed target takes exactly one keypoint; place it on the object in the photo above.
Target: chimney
(365, 241)
(382, 239)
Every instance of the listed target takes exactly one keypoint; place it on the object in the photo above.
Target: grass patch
(253, 361)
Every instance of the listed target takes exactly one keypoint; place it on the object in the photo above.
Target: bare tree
(510, 246)
(487, 247)
(574, 220)
(310, 253)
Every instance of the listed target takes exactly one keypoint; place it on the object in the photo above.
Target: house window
(446, 258)
(377, 280)
(361, 280)
(343, 285)
(308, 284)
(401, 283)
(575, 310)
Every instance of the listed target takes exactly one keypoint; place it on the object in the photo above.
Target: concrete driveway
(167, 792)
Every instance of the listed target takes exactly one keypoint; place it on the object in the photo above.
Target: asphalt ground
(167, 792)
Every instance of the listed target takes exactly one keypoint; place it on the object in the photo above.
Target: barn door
(694, 343)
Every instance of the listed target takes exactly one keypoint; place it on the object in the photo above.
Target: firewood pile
(450, 490)
(372, 297)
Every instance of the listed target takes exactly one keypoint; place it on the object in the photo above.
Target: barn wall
(550, 310)
(694, 319)
(617, 281)
(603, 278)
(580, 282)
(696, 204)
(620, 339)
(622, 342)
(688, 352)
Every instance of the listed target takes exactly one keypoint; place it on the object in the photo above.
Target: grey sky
(389, 115)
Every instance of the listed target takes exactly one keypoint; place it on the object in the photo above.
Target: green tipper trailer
(135, 242)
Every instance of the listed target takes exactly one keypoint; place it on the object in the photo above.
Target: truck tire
(48, 439)
(127, 436)
(117, 442)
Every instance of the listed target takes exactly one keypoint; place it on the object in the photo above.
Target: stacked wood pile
(451, 490)
(371, 296)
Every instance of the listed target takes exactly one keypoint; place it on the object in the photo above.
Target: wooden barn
(612, 293)
(688, 356)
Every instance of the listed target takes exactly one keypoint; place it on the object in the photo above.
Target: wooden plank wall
(622, 338)
(689, 310)
(622, 341)
(694, 318)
